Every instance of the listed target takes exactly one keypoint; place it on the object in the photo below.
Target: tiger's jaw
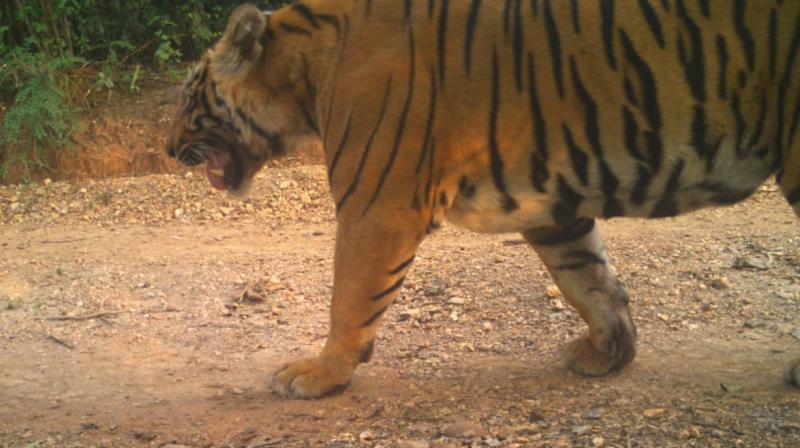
(229, 166)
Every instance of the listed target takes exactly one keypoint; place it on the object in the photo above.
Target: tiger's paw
(311, 378)
(792, 372)
(599, 354)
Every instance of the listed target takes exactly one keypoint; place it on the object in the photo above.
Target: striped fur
(534, 117)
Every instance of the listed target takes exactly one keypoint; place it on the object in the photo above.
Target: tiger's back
(541, 112)
(531, 116)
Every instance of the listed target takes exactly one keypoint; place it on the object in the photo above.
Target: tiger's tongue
(217, 163)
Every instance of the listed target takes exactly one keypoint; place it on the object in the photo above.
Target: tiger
(538, 117)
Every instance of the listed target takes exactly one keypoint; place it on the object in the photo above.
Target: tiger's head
(238, 108)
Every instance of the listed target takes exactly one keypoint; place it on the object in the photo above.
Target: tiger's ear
(240, 47)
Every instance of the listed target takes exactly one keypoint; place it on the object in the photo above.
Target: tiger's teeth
(217, 172)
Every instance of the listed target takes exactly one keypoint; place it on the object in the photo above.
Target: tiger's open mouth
(216, 168)
(226, 162)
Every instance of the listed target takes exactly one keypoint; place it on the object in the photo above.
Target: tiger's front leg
(575, 257)
(370, 264)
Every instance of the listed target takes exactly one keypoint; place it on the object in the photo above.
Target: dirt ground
(123, 323)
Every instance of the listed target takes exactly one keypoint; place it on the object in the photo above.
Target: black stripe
(783, 87)
(762, 118)
(429, 182)
(518, 44)
(306, 13)
(506, 18)
(340, 148)
(406, 10)
(643, 180)
(294, 29)
(332, 21)
(367, 8)
(583, 258)
(275, 141)
(465, 187)
(795, 120)
(722, 54)
(773, 42)
(310, 88)
(740, 126)
(704, 148)
(401, 126)
(390, 289)
(607, 29)
(576, 20)
(431, 8)
(705, 8)
(565, 210)
(539, 172)
(667, 206)
(442, 39)
(655, 150)
(374, 317)
(580, 161)
(651, 18)
(743, 33)
(367, 148)
(555, 46)
(535, 7)
(365, 356)
(567, 233)
(472, 22)
(692, 58)
(630, 93)
(608, 180)
(402, 266)
(631, 131)
(665, 4)
(496, 162)
(647, 81)
(429, 122)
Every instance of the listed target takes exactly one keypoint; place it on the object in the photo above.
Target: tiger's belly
(485, 209)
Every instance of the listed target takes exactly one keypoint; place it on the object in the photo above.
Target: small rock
(366, 436)
(466, 429)
(730, 388)
(756, 323)
(653, 413)
(598, 442)
(720, 283)
(553, 291)
(89, 425)
(412, 444)
(488, 326)
(594, 414)
(750, 263)
(581, 430)
(178, 212)
(145, 436)
(408, 314)
(457, 301)
(225, 211)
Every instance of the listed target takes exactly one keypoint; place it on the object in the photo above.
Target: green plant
(40, 117)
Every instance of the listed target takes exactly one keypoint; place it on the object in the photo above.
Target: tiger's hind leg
(371, 259)
(575, 257)
(789, 181)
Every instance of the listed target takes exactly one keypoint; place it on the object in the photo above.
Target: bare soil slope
(123, 323)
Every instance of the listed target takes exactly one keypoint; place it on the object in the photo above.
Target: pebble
(653, 413)
(553, 291)
(464, 429)
(457, 301)
(594, 414)
(598, 442)
(412, 444)
(581, 430)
